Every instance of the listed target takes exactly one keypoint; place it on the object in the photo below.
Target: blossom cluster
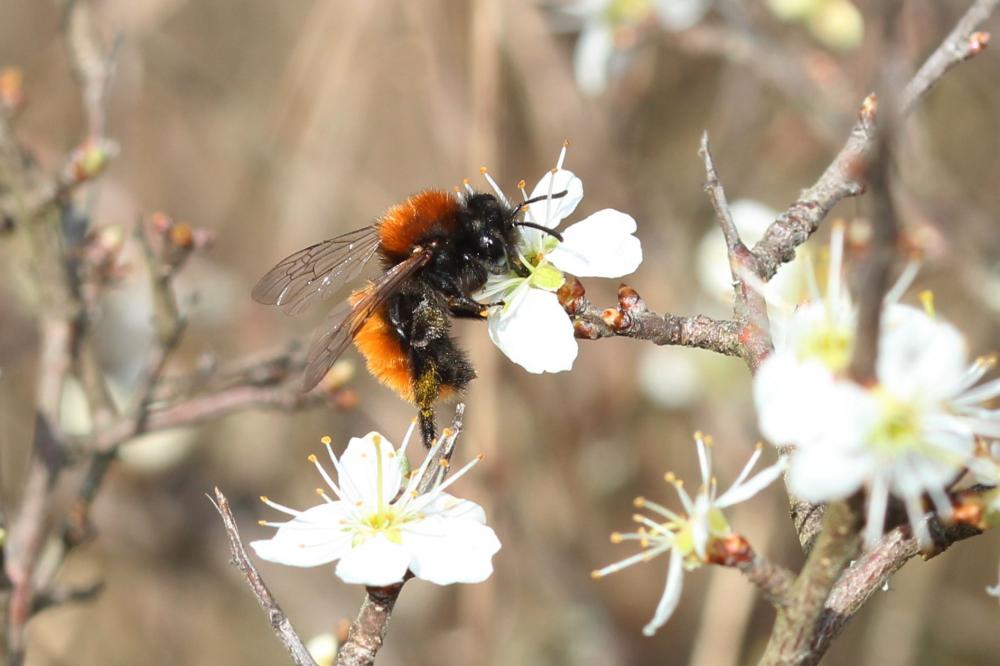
(910, 434)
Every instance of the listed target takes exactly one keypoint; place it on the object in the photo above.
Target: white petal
(920, 356)
(818, 474)
(671, 594)
(448, 506)
(787, 394)
(594, 48)
(377, 562)
(550, 212)
(535, 333)
(601, 245)
(451, 550)
(744, 491)
(314, 537)
(361, 461)
(680, 15)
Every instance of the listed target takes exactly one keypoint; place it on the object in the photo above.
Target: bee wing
(347, 320)
(317, 271)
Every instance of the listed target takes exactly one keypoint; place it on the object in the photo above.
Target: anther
(325, 440)
(596, 575)
(639, 502)
(312, 458)
(264, 499)
(616, 537)
(377, 440)
(262, 523)
(670, 477)
(444, 464)
(521, 184)
(447, 432)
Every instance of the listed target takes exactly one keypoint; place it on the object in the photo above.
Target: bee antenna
(551, 232)
(541, 197)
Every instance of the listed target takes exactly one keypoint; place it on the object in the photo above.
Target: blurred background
(278, 124)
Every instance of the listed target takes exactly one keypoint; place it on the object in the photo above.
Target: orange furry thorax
(404, 225)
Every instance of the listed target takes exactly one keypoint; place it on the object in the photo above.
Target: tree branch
(632, 319)
(280, 623)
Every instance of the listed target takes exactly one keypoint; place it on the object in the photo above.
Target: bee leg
(425, 392)
(463, 306)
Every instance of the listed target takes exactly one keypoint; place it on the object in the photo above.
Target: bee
(437, 249)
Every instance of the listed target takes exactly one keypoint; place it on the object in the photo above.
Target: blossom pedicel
(380, 526)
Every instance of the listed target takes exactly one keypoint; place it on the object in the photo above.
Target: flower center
(830, 344)
(545, 276)
(898, 429)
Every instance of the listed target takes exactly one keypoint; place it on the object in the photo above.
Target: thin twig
(280, 623)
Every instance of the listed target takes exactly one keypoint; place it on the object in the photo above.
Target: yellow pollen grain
(262, 523)
(444, 463)
(644, 543)
(596, 575)
(987, 361)
(483, 170)
(480, 457)
(638, 517)
(669, 477)
(698, 434)
(325, 439)
(639, 502)
(554, 171)
(319, 491)
(521, 184)
(839, 225)
(312, 458)
(377, 440)
(263, 498)
(646, 557)
(447, 432)
(759, 445)
(709, 440)
(465, 181)
(927, 298)
(565, 143)
(616, 537)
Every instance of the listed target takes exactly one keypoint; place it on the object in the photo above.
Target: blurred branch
(870, 572)
(843, 178)
(792, 637)
(367, 632)
(783, 69)
(280, 623)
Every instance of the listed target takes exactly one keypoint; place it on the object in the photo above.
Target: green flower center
(831, 345)
(898, 429)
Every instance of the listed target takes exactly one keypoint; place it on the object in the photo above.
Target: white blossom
(910, 434)
(377, 528)
(688, 535)
(609, 29)
(531, 328)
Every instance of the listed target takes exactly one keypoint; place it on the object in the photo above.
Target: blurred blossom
(752, 219)
(531, 327)
(689, 535)
(378, 528)
(611, 28)
(671, 377)
(835, 23)
(323, 649)
(910, 434)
